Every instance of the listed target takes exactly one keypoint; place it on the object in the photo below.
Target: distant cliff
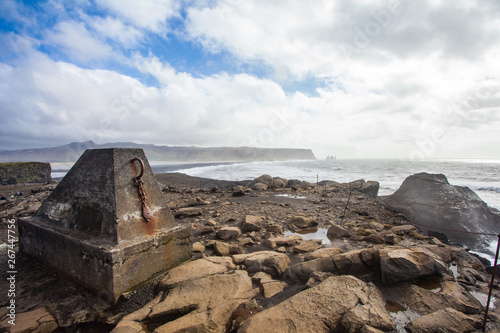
(25, 172)
(71, 152)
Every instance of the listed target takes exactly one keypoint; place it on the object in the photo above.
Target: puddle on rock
(454, 269)
(312, 233)
(401, 315)
(483, 298)
(293, 196)
(430, 284)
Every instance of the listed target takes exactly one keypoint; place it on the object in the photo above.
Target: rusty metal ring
(142, 167)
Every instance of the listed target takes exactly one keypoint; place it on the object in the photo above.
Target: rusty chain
(146, 211)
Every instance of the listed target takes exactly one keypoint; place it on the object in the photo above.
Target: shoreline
(210, 206)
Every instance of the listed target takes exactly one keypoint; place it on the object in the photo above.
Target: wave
(489, 188)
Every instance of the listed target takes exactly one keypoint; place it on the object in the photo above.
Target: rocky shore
(270, 255)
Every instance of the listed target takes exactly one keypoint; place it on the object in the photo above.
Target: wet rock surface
(374, 272)
(459, 208)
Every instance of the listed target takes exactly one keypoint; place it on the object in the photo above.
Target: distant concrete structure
(92, 227)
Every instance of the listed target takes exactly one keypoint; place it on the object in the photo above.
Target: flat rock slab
(195, 270)
(204, 304)
(322, 309)
(39, 320)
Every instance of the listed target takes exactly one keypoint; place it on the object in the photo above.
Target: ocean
(482, 176)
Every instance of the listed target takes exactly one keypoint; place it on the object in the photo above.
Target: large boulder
(429, 200)
(340, 303)
(398, 264)
(271, 262)
(300, 222)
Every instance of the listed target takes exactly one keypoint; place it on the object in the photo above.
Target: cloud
(147, 14)
(80, 44)
(114, 29)
(348, 78)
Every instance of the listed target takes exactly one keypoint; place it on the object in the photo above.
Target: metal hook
(142, 167)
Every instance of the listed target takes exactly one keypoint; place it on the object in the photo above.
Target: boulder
(259, 187)
(229, 233)
(405, 229)
(360, 263)
(322, 309)
(264, 180)
(303, 270)
(446, 320)
(375, 239)
(274, 242)
(308, 246)
(198, 247)
(299, 222)
(323, 253)
(430, 201)
(239, 191)
(336, 232)
(252, 223)
(370, 188)
(226, 249)
(398, 264)
(270, 262)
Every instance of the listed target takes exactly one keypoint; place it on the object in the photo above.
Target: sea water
(481, 176)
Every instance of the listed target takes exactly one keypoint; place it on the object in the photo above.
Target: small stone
(211, 222)
(187, 212)
(198, 247)
(375, 239)
(229, 233)
(206, 230)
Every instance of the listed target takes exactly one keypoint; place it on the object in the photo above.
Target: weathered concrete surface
(91, 227)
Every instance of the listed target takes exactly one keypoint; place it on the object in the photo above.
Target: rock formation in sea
(431, 202)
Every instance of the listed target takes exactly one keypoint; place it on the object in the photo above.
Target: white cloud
(422, 84)
(146, 14)
(78, 42)
(116, 30)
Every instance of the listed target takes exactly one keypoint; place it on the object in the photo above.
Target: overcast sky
(352, 78)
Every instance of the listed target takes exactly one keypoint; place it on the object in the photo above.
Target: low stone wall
(24, 172)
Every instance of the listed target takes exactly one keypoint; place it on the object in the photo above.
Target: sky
(402, 79)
